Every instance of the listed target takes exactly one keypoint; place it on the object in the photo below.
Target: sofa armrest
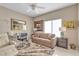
(53, 42)
(32, 36)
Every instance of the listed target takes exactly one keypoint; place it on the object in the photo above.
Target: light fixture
(34, 7)
(36, 11)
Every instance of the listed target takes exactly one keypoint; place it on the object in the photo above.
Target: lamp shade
(35, 29)
(62, 29)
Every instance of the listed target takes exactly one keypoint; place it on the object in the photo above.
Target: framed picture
(69, 24)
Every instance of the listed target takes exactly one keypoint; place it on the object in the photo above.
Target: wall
(5, 20)
(68, 13)
(78, 27)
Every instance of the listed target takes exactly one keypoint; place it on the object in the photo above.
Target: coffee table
(23, 45)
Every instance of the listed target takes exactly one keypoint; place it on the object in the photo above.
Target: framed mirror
(18, 25)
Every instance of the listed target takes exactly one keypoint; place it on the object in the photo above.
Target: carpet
(36, 50)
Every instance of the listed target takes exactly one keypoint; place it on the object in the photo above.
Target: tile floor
(65, 52)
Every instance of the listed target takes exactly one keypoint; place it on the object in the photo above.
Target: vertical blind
(53, 26)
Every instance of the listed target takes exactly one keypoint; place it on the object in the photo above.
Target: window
(47, 26)
(56, 24)
(53, 27)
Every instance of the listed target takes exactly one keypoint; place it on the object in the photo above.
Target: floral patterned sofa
(6, 48)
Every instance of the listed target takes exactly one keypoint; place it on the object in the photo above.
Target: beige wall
(78, 27)
(68, 13)
(5, 20)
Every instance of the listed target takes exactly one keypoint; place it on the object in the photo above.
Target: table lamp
(62, 29)
(35, 29)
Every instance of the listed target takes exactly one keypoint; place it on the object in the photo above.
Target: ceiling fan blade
(40, 7)
(37, 11)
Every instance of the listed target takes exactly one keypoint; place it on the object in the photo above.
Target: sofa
(45, 39)
(6, 48)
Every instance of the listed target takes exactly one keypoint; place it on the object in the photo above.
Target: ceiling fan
(35, 7)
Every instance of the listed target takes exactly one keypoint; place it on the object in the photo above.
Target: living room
(54, 25)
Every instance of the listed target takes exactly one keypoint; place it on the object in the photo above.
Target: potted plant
(72, 46)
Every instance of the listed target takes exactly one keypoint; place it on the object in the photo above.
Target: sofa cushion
(43, 35)
(3, 39)
(35, 38)
(8, 50)
(46, 35)
(43, 41)
(50, 36)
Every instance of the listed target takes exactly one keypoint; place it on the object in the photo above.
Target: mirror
(18, 25)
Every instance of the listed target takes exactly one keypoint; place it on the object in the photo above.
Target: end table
(62, 42)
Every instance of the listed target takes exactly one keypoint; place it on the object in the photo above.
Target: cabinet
(62, 42)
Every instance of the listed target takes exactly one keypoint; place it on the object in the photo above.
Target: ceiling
(24, 7)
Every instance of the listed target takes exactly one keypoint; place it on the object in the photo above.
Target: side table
(62, 42)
